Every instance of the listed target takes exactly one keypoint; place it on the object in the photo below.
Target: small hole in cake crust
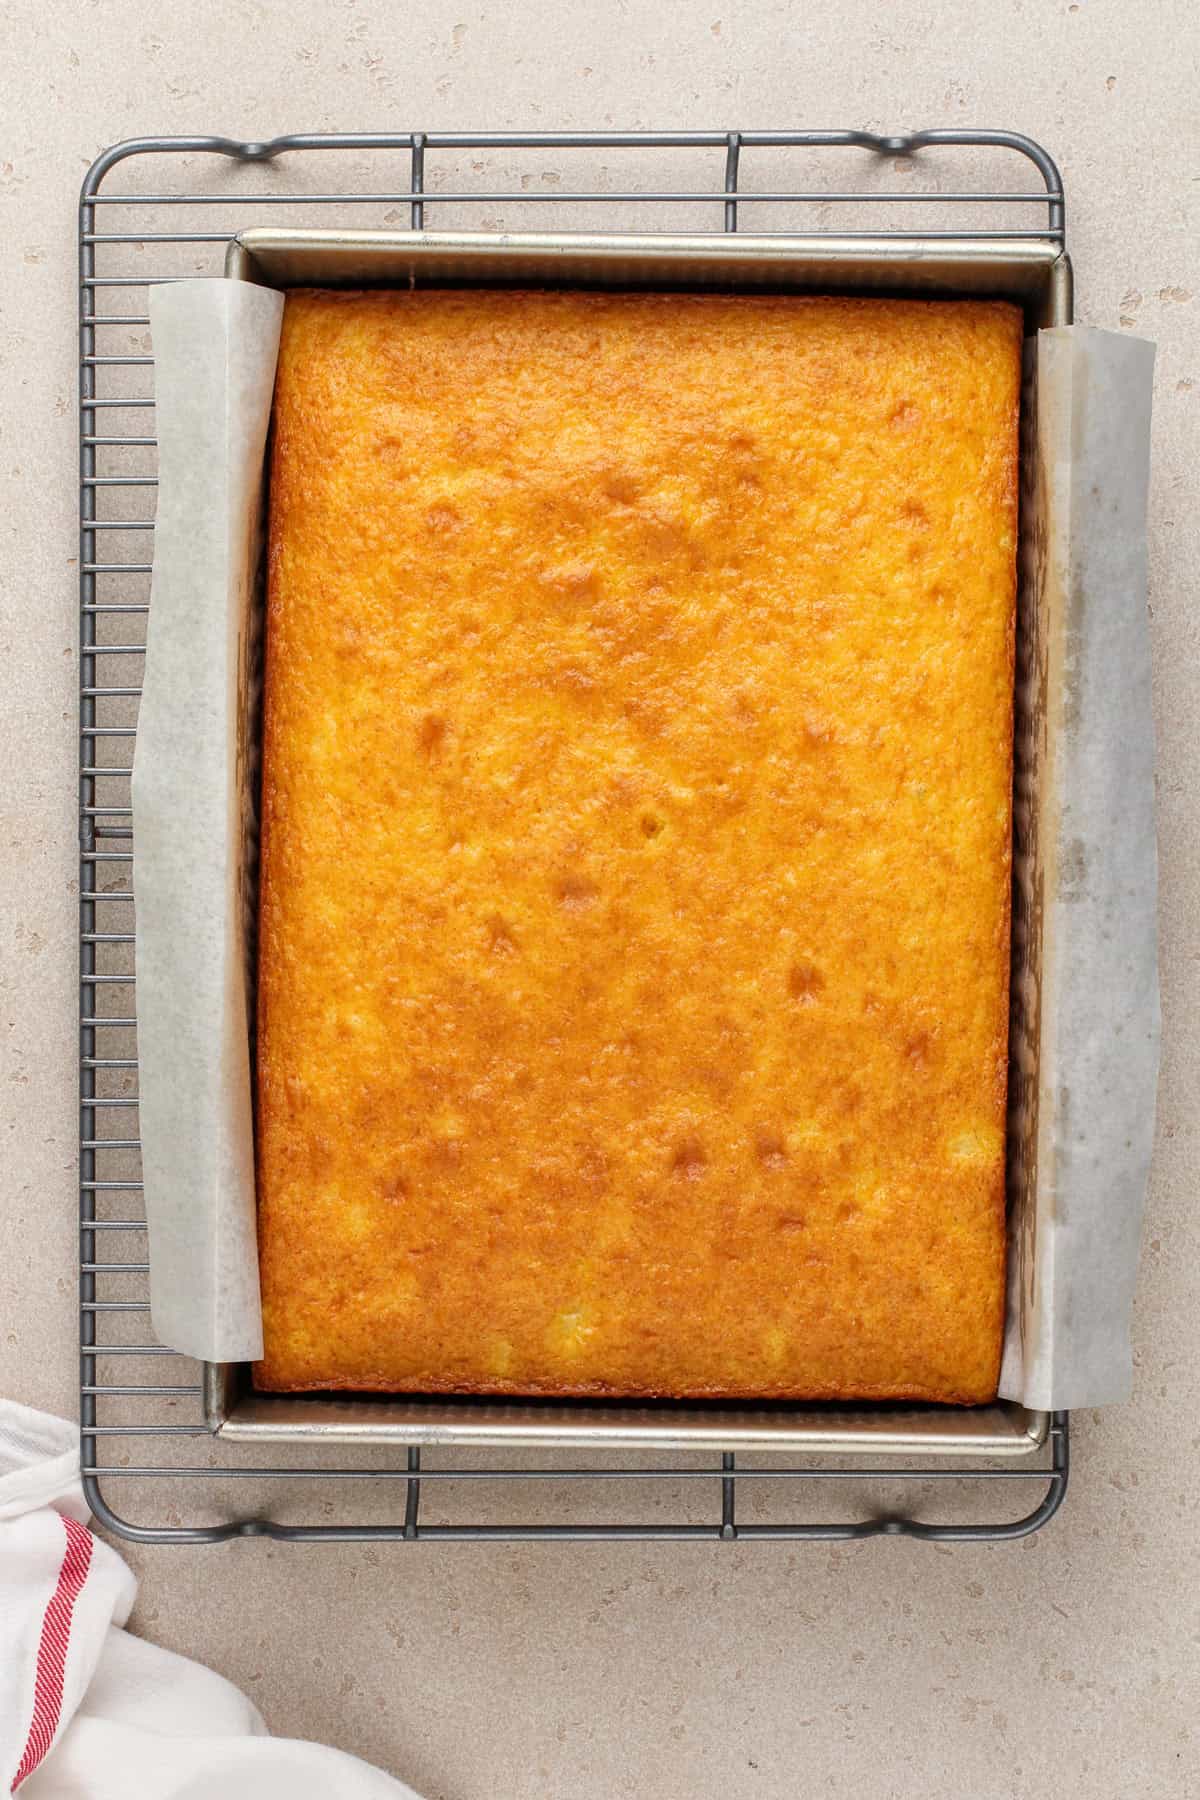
(805, 981)
(576, 893)
(621, 487)
(689, 1161)
(500, 939)
(651, 825)
(771, 1150)
(431, 733)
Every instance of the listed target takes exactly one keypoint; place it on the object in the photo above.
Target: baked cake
(633, 988)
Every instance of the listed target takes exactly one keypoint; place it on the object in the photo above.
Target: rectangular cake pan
(1036, 274)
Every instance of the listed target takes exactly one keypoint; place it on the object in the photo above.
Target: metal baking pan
(1037, 275)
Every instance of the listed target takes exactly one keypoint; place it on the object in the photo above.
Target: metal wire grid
(117, 479)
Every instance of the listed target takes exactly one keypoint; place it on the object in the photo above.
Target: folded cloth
(88, 1712)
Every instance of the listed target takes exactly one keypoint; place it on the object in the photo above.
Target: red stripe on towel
(52, 1649)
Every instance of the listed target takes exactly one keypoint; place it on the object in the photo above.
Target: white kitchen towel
(88, 1712)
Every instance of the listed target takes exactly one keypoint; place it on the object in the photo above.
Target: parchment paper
(1076, 1217)
(215, 346)
(1085, 1008)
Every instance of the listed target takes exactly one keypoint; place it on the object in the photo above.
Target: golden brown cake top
(634, 950)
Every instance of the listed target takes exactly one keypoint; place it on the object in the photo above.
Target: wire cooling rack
(162, 209)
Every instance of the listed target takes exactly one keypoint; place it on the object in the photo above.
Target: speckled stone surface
(886, 1669)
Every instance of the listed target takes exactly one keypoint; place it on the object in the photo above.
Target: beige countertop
(883, 1669)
